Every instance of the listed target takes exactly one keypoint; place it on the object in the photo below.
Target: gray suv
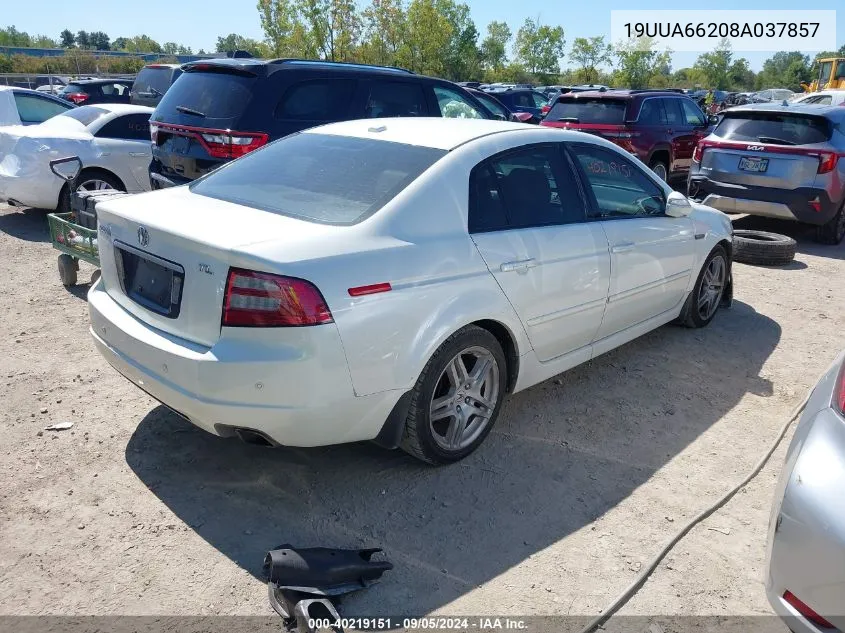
(778, 161)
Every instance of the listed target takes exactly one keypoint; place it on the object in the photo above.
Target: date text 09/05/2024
(433, 623)
(722, 29)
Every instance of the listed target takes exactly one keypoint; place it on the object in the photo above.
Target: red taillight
(697, 153)
(816, 204)
(545, 109)
(224, 144)
(77, 97)
(806, 611)
(827, 162)
(256, 299)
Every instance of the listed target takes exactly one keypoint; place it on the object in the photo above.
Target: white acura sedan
(111, 139)
(394, 279)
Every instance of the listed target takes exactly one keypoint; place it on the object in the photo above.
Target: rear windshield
(320, 177)
(86, 114)
(778, 128)
(586, 110)
(71, 88)
(213, 95)
(155, 79)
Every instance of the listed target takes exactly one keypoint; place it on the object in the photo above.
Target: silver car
(779, 161)
(806, 558)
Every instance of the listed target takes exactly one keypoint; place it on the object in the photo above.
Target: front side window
(454, 105)
(34, 109)
(319, 177)
(395, 98)
(317, 100)
(528, 187)
(620, 188)
(692, 114)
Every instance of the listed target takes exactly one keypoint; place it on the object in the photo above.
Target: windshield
(777, 128)
(824, 72)
(586, 110)
(86, 114)
(320, 177)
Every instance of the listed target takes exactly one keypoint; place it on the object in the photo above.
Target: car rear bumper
(791, 204)
(291, 395)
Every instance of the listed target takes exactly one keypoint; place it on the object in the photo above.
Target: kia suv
(776, 161)
(660, 128)
(221, 109)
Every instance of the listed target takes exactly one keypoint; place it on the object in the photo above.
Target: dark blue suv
(221, 109)
(521, 100)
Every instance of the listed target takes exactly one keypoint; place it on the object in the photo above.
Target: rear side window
(316, 100)
(214, 95)
(651, 112)
(530, 187)
(320, 177)
(395, 98)
(779, 128)
(586, 110)
(34, 109)
(131, 127)
(674, 114)
(114, 89)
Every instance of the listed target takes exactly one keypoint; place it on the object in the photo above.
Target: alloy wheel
(465, 397)
(660, 171)
(94, 184)
(712, 287)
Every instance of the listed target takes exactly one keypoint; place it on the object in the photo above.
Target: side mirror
(66, 168)
(713, 119)
(677, 205)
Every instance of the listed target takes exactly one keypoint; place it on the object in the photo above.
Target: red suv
(661, 128)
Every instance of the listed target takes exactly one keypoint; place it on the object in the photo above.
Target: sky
(198, 23)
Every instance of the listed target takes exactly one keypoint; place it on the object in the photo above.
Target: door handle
(621, 247)
(521, 265)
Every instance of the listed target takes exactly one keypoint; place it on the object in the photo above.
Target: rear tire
(762, 248)
(448, 421)
(832, 232)
(68, 267)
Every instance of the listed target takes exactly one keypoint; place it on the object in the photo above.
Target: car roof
(273, 65)
(433, 132)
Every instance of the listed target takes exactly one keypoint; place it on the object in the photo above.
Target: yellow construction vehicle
(831, 75)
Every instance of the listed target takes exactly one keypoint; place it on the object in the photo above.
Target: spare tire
(763, 248)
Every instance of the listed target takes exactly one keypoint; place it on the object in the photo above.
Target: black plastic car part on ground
(763, 248)
(221, 109)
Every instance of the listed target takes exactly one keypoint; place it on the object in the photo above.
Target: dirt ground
(134, 511)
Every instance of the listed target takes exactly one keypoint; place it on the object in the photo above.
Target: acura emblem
(143, 236)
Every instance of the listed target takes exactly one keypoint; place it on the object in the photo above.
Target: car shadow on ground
(25, 224)
(804, 234)
(562, 454)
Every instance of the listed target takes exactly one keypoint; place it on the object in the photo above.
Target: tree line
(439, 37)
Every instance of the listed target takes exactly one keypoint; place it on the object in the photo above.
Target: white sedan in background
(394, 279)
(111, 140)
(823, 97)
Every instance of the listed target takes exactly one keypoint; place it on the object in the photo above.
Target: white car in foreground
(393, 279)
(112, 141)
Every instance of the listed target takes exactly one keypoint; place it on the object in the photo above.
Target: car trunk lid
(165, 256)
